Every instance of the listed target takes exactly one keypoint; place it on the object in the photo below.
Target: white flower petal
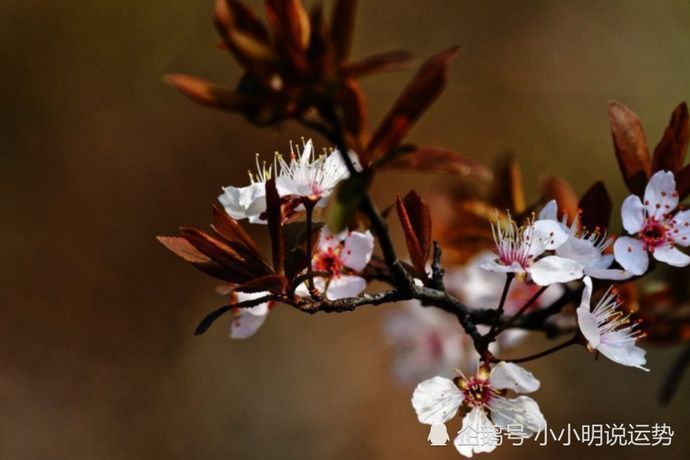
(546, 236)
(671, 255)
(522, 410)
(632, 212)
(244, 323)
(631, 254)
(357, 250)
(436, 400)
(549, 211)
(478, 434)
(495, 266)
(588, 326)
(660, 196)
(623, 350)
(681, 222)
(554, 269)
(345, 286)
(510, 376)
(609, 274)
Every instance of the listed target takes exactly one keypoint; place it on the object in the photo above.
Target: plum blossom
(658, 230)
(522, 250)
(479, 289)
(609, 330)
(425, 342)
(584, 247)
(305, 176)
(341, 255)
(483, 396)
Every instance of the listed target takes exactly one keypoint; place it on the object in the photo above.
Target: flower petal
(478, 434)
(554, 269)
(436, 400)
(549, 211)
(681, 222)
(623, 350)
(244, 323)
(357, 250)
(547, 235)
(631, 254)
(660, 196)
(522, 410)
(671, 255)
(632, 213)
(510, 376)
(345, 286)
(588, 326)
(609, 274)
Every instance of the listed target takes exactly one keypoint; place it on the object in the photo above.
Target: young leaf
(508, 191)
(596, 207)
(669, 153)
(631, 148)
(432, 159)
(419, 94)
(274, 216)
(182, 248)
(342, 28)
(272, 283)
(209, 94)
(416, 223)
(377, 63)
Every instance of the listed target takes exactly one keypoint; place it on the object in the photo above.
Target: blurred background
(98, 357)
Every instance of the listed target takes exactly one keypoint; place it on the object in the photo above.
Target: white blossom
(439, 399)
(305, 175)
(584, 247)
(657, 229)
(342, 256)
(608, 329)
(522, 250)
(246, 321)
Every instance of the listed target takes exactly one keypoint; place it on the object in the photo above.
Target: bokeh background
(97, 354)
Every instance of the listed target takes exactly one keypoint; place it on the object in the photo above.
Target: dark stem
(501, 304)
(521, 311)
(309, 207)
(574, 340)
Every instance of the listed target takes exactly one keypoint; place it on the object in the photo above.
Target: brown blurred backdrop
(98, 157)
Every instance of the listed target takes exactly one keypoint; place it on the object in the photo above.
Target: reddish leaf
(416, 223)
(555, 188)
(318, 54)
(182, 248)
(596, 207)
(669, 154)
(233, 15)
(414, 100)
(276, 284)
(432, 159)
(342, 28)
(290, 22)
(354, 109)
(231, 229)
(209, 94)
(683, 182)
(508, 193)
(274, 216)
(220, 253)
(631, 147)
(382, 62)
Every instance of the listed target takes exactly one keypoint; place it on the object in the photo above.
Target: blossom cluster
(498, 268)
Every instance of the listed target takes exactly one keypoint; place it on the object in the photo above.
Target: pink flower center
(655, 233)
(477, 392)
(328, 261)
